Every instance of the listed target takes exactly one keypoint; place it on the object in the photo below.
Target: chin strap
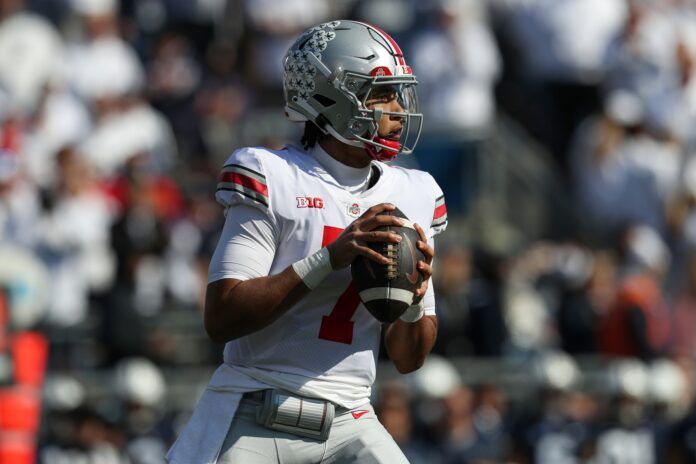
(383, 154)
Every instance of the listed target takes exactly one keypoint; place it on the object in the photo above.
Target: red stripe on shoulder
(440, 211)
(244, 181)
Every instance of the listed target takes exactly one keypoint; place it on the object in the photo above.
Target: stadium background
(562, 132)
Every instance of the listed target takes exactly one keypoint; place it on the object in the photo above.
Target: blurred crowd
(553, 409)
(575, 346)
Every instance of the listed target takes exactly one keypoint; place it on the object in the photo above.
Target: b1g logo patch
(310, 202)
(354, 210)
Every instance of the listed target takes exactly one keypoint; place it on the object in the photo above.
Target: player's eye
(381, 94)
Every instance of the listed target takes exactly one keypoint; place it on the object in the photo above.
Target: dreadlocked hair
(312, 134)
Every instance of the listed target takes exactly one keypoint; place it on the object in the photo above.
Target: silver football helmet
(333, 69)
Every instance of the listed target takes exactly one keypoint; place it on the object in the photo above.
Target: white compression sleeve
(414, 313)
(246, 247)
(314, 268)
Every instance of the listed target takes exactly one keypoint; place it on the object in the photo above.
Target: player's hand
(424, 266)
(354, 238)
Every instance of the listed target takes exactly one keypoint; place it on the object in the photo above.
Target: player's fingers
(380, 208)
(377, 236)
(425, 268)
(382, 220)
(420, 292)
(427, 251)
(420, 232)
(371, 254)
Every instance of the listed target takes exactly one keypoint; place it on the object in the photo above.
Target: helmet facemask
(385, 90)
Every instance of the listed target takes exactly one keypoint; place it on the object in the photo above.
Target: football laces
(391, 251)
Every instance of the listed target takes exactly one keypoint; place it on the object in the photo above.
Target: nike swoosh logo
(413, 275)
(358, 414)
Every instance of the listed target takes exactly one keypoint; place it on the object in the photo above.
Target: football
(387, 290)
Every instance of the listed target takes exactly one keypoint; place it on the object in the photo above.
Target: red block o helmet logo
(380, 71)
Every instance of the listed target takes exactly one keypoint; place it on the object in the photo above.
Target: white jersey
(327, 344)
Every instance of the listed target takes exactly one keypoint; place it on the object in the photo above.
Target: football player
(301, 350)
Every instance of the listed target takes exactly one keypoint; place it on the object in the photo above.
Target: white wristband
(413, 313)
(314, 268)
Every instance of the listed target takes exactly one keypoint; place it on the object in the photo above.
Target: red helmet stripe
(396, 50)
(395, 46)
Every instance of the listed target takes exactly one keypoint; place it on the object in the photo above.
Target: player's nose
(395, 106)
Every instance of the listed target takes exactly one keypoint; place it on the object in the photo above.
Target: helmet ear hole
(324, 100)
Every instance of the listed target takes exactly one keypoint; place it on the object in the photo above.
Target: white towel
(201, 440)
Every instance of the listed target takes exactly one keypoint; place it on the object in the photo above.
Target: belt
(257, 397)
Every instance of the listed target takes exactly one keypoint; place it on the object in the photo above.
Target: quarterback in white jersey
(301, 349)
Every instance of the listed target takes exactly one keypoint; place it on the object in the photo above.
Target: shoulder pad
(243, 181)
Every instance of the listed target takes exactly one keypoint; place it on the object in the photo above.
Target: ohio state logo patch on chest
(354, 210)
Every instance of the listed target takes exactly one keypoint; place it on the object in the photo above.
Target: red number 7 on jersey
(337, 326)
